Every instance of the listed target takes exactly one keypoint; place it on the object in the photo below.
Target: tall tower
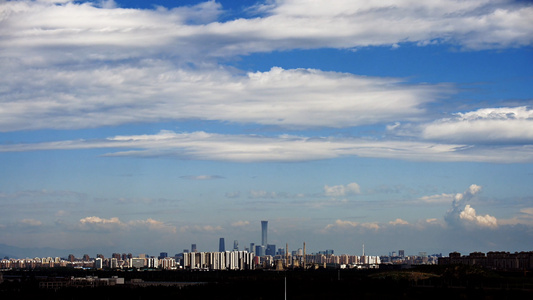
(304, 256)
(287, 255)
(221, 245)
(264, 229)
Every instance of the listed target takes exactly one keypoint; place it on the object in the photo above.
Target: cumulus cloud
(98, 220)
(344, 224)
(487, 125)
(462, 213)
(97, 223)
(283, 148)
(398, 222)
(240, 224)
(153, 225)
(469, 215)
(30, 222)
(342, 190)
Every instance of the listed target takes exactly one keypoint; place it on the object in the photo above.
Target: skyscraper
(264, 229)
(221, 245)
(235, 245)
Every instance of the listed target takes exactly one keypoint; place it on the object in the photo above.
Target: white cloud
(155, 91)
(61, 213)
(343, 225)
(254, 148)
(42, 27)
(240, 224)
(97, 223)
(30, 222)
(98, 220)
(69, 71)
(337, 24)
(469, 215)
(342, 190)
(398, 222)
(153, 225)
(262, 194)
(525, 217)
(442, 198)
(487, 125)
(453, 215)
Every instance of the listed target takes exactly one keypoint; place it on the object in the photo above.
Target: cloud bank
(283, 148)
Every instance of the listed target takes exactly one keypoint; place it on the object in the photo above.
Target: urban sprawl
(267, 256)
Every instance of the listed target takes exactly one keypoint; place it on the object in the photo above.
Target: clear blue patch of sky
(485, 76)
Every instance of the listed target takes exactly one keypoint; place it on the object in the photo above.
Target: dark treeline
(437, 282)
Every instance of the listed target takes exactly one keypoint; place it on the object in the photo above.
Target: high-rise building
(193, 248)
(270, 250)
(401, 253)
(98, 263)
(264, 229)
(221, 245)
(235, 245)
(260, 250)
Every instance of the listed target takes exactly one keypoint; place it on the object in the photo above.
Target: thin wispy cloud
(285, 148)
(202, 177)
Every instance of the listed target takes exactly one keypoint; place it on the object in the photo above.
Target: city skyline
(154, 125)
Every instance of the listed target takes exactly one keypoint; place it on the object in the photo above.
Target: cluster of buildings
(399, 258)
(227, 260)
(88, 263)
(88, 281)
(267, 256)
(492, 260)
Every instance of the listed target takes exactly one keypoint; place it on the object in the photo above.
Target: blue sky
(146, 126)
